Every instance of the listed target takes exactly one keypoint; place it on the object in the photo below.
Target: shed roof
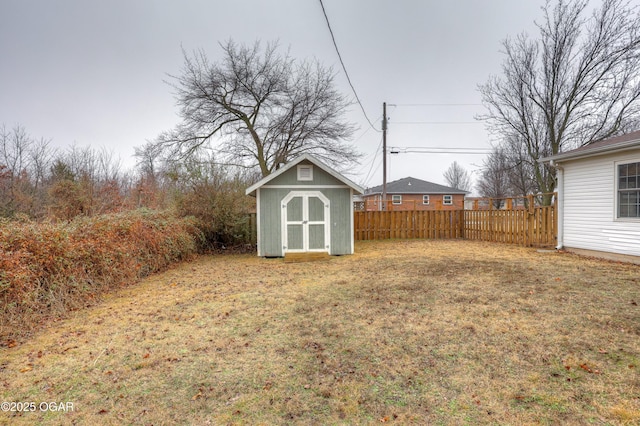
(308, 157)
(606, 146)
(410, 185)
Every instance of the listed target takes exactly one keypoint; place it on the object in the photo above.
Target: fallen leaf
(25, 369)
(147, 355)
(196, 396)
(603, 351)
(588, 369)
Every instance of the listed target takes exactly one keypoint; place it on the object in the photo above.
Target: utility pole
(384, 156)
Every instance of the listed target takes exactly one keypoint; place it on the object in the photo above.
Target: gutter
(559, 203)
(590, 152)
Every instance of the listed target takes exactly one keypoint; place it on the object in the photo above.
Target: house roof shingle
(410, 185)
(617, 143)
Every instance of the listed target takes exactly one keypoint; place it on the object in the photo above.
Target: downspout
(559, 202)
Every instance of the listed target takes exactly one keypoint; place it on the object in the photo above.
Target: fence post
(530, 220)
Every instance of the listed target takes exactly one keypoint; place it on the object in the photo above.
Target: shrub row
(47, 269)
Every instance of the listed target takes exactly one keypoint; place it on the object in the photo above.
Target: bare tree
(494, 180)
(36, 180)
(577, 83)
(457, 177)
(519, 167)
(15, 191)
(260, 108)
(109, 167)
(86, 181)
(149, 157)
(41, 159)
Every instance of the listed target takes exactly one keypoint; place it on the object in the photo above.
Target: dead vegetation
(50, 268)
(423, 332)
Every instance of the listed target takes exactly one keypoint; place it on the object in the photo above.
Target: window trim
(393, 199)
(444, 200)
(425, 197)
(305, 178)
(617, 190)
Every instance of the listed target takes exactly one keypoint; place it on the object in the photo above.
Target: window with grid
(425, 199)
(396, 199)
(629, 190)
(447, 200)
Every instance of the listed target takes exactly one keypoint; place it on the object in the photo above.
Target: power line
(437, 122)
(374, 172)
(437, 150)
(345, 68)
(373, 162)
(366, 131)
(437, 105)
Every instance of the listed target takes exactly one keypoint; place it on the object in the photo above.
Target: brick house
(414, 194)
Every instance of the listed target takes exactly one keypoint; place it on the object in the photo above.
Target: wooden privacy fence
(528, 225)
(382, 225)
(524, 227)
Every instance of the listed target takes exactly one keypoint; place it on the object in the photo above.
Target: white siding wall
(590, 207)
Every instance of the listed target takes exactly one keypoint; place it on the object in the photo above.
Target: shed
(598, 202)
(305, 206)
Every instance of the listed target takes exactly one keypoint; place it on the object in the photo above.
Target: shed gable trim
(298, 160)
(306, 186)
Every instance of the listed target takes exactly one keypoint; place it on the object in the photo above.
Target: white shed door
(305, 220)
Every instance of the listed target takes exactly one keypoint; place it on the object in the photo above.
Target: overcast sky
(92, 72)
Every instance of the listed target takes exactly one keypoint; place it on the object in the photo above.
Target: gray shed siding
(270, 221)
(341, 217)
(320, 177)
(270, 196)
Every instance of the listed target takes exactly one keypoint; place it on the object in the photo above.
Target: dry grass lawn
(422, 332)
